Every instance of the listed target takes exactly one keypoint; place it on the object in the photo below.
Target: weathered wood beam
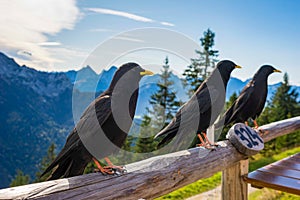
(277, 129)
(149, 178)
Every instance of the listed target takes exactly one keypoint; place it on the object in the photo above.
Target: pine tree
(199, 69)
(164, 105)
(284, 102)
(164, 102)
(20, 179)
(231, 100)
(125, 155)
(46, 161)
(146, 143)
(283, 105)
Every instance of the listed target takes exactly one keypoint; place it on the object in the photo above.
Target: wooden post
(233, 185)
(248, 142)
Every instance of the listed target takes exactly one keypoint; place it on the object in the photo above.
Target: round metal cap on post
(246, 140)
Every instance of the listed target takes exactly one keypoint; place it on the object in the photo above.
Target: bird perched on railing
(202, 109)
(251, 100)
(103, 127)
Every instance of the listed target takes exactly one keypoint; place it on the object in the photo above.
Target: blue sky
(55, 35)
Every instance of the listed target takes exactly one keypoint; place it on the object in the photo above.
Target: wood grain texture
(281, 171)
(233, 185)
(282, 183)
(149, 178)
(277, 129)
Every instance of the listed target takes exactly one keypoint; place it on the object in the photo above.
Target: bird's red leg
(201, 140)
(208, 142)
(205, 144)
(260, 130)
(102, 170)
(206, 139)
(255, 124)
(108, 161)
(111, 165)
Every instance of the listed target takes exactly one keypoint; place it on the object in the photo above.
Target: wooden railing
(156, 176)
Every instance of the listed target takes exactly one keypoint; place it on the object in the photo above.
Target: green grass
(210, 183)
(192, 189)
(269, 194)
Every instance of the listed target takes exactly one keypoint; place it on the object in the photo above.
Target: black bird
(103, 127)
(251, 100)
(202, 109)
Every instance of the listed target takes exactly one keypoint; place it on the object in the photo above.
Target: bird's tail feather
(61, 159)
(168, 138)
(228, 117)
(61, 170)
(71, 161)
(67, 167)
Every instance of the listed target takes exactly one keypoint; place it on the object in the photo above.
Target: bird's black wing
(261, 104)
(100, 107)
(189, 112)
(207, 97)
(239, 104)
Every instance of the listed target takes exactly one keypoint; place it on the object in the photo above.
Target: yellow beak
(238, 66)
(276, 70)
(146, 72)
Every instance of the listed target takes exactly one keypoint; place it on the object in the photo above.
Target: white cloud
(167, 24)
(66, 58)
(100, 30)
(128, 39)
(126, 15)
(49, 43)
(26, 24)
(121, 14)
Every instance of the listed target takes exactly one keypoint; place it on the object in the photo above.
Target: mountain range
(35, 111)
(36, 108)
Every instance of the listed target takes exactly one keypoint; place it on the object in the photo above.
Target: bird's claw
(112, 170)
(117, 170)
(104, 171)
(209, 146)
(206, 144)
(262, 132)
